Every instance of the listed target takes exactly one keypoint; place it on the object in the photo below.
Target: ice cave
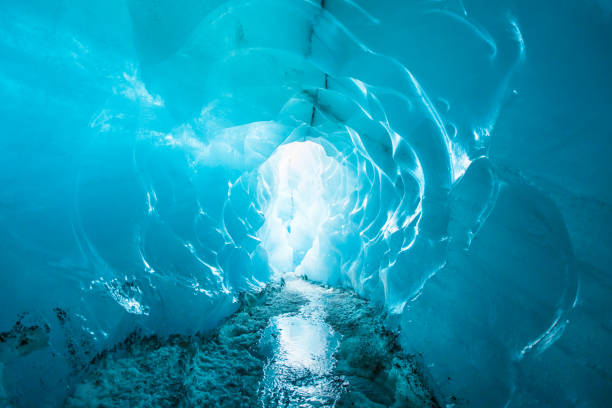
(306, 203)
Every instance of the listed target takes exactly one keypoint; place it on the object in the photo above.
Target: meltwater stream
(295, 344)
(300, 348)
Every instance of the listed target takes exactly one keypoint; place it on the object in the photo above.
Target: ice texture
(447, 159)
(293, 344)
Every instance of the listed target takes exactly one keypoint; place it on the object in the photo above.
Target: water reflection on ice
(300, 348)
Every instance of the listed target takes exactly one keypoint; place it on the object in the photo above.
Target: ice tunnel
(447, 161)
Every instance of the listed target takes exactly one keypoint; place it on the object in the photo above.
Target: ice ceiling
(436, 156)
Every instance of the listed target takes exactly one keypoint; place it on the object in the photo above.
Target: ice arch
(137, 134)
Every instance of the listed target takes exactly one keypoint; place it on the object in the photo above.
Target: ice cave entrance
(304, 193)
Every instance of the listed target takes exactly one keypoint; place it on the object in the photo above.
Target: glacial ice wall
(446, 158)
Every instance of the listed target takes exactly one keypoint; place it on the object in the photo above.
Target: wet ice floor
(293, 345)
(300, 350)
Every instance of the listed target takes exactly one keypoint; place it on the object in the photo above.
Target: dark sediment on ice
(294, 344)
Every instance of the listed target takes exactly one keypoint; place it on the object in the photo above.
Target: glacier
(448, 160)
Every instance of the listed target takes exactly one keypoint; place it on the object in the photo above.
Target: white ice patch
(308, 191)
